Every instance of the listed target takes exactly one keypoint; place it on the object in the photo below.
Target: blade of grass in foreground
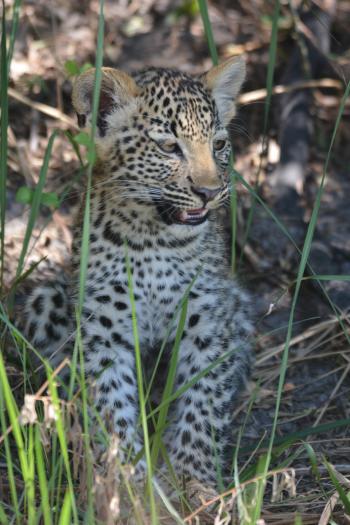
(30, 489)
(34, 209)
(65, 516)
(63, 442)
(141, 392)
(16, 429)
(3, 518)
(172, 511)
(43, 484)
(240, 503)
(168, 389)
(78, 353)
(14, 26)
(203, 8)
(3, 139)
(301, 270)
(298, 520)
(91, 156)
(344, 497)
(85, 243)
(9, 463)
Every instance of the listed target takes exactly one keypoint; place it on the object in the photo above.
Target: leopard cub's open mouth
(173, 215)
(195, 216)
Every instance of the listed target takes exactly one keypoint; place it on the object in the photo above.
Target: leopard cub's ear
(118, 89)
(225, 81)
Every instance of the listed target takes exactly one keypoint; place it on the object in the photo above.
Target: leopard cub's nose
(206, 194)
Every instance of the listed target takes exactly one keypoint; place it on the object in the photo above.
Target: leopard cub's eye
(219, 144)
(170, 146)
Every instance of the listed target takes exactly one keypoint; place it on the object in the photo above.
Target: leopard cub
(163, 150)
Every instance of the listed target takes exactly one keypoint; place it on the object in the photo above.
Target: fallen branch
(261, 94)
(245, 98)
(43, 108)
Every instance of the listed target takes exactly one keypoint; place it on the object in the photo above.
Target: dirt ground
(165, 33)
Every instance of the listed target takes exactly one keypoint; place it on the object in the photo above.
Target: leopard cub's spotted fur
(162, 153)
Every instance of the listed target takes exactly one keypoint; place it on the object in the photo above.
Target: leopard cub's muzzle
(191, 213)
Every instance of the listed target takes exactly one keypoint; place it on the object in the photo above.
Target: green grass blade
(63, 442)
(14, 27)
(30, 485)
(313, 460)
(141, 392)
(342, 494)
(66, 512)
(194, 380)
(160, 425)
(85, 240)
(298, 520)
(91, 157)
(254, 497)
(169, 329)
(3, 517)
(13, 417)
(57, 477)
(203, 8)
(172, 511)
(9, 462)
(34, 210)
(43, 484)
(234, 466)
(78, 349)
(3, 139)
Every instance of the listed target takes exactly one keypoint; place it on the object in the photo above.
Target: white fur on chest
(159, 281)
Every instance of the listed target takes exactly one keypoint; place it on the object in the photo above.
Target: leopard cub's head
(161, 136)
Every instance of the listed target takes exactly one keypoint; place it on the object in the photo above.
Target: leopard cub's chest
(159, 281)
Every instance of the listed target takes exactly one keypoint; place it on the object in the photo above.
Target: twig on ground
(43, 108)
(261, 94)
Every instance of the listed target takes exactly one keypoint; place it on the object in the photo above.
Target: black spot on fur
(185, 438)
(38, 305)
(105, 321)
(193, 320)
(103, 299)
(105, 362)
(57, 300)
(120, 306)
(119, 289)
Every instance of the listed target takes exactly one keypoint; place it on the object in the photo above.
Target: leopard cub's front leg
(216, 337)
(110, 365)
